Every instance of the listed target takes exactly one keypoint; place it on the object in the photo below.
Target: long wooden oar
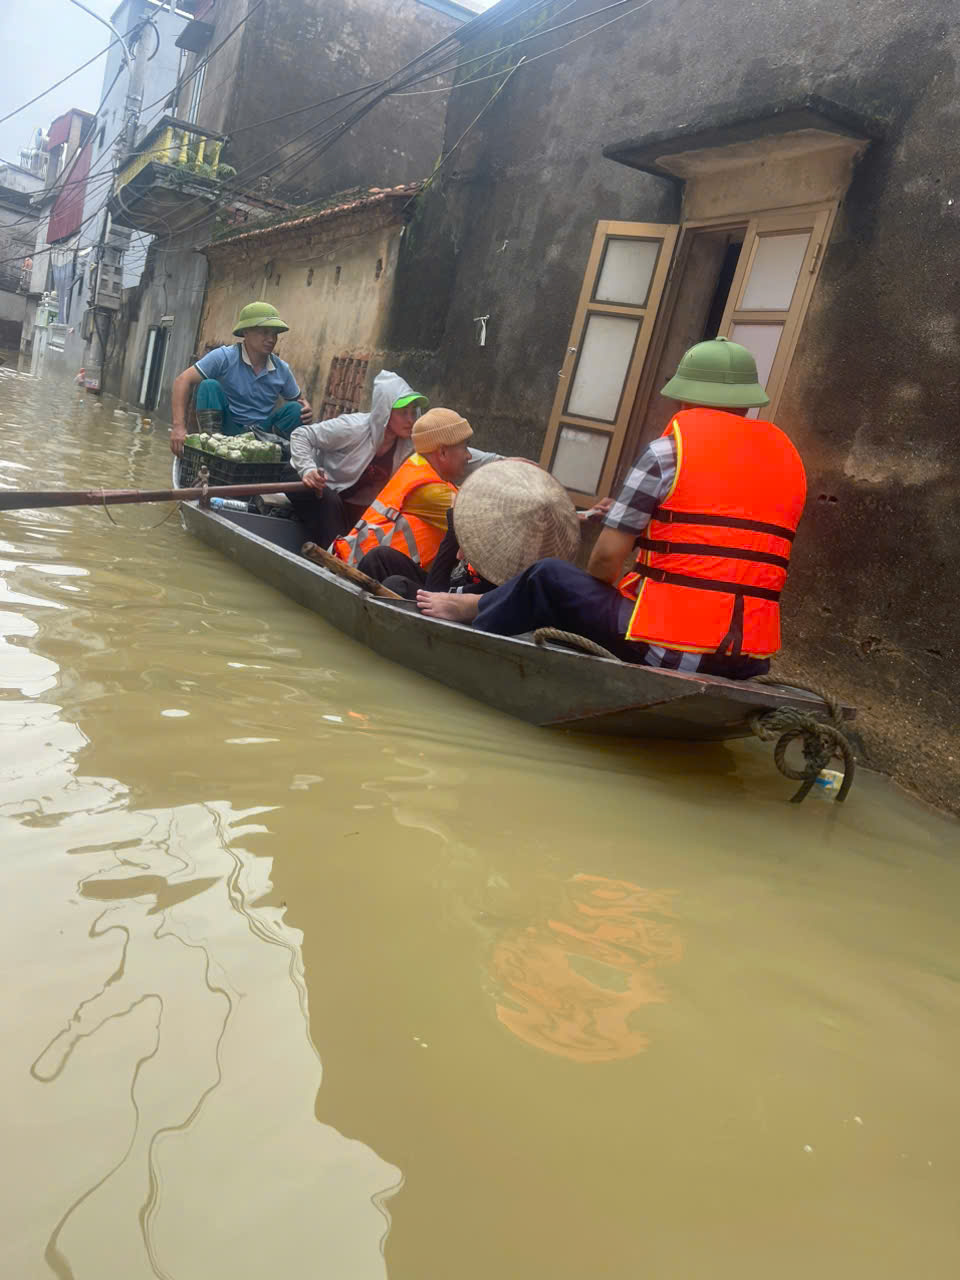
(21, 499)
(347, 571)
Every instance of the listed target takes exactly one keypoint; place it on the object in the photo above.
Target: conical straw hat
(508, 515)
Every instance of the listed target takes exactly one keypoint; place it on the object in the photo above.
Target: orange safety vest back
(714, 557)
(385, 524)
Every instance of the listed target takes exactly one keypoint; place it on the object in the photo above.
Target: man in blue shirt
(238, 386)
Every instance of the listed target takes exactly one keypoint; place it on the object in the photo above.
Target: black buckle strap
(669, 516)
(732, 642)
(705, 584)
(710, 549)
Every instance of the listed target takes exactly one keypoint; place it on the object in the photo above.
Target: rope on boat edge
(572, 641)
(821, 742)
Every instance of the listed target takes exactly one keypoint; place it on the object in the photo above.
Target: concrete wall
(172, 285)
(12, 313)
(18, 229)
(288, 56)
(17, 232)
(872, 396)
(15, 178)
(331, 285)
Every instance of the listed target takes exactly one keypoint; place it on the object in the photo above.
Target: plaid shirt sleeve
(647, 484)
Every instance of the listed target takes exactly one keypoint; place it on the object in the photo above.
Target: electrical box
(109, 292)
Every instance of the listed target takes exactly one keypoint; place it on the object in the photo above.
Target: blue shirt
(251, 396)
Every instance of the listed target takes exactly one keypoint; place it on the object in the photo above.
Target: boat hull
(542, 684)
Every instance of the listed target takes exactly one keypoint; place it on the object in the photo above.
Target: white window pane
(579, 458)
(775, 271)
(605, 353)
(627, 271)
(762, 340)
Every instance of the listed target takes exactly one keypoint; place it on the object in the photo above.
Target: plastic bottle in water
(228, 504)
(828, 782)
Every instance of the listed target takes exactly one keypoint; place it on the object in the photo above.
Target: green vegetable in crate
(193, 442)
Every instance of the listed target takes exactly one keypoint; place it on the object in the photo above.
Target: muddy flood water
(315, 968)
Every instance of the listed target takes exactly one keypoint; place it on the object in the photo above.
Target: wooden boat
(543, 684)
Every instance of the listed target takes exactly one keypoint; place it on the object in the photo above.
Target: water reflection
(574, 983)
(151, 1075)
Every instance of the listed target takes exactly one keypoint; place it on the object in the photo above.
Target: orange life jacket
(385, 524)
(714, 557)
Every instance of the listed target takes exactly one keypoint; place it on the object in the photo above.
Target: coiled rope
(821, 742)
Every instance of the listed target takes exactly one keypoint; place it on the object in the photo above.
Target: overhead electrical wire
(381, 90)
(320, 145)
(476, 27)
(462, 84)
(163, 98)
(76, 71)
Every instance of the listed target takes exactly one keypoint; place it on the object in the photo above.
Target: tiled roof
(368, 200)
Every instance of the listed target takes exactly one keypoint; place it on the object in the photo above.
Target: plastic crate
(226, 471)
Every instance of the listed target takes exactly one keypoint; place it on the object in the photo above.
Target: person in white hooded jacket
(347, 460)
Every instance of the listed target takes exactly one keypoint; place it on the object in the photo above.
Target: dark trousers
(554, 593)
(398, 572)
(395, 570)
(323, 516)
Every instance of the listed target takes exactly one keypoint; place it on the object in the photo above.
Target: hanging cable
(76, 71)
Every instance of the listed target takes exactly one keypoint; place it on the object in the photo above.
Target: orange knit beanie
(437, 427)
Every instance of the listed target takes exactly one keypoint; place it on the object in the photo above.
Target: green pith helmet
(719, 374)
(259, 315)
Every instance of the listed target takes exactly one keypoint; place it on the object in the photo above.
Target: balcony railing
(175, 165)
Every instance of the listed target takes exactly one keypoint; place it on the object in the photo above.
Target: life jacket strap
(704, 584)
(710, 549)
(669, 516)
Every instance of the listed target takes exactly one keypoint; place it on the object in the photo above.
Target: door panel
(622, 288)
(579, 458)
(772, 286)
(603, 363)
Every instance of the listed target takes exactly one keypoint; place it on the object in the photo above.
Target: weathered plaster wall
(288, 56)
(173, 284)
(872, 396)
(13, 308)
(331, 286)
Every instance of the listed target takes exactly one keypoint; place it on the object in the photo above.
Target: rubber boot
(210, 420)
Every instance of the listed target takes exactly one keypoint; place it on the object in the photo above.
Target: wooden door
(775, 276)
(622, 289)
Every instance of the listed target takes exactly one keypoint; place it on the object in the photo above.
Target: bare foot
(452, 607)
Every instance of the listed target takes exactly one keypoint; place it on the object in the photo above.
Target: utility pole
(106, 285)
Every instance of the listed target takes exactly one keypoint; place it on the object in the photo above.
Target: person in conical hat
(507, 516)
(712, 506)
(238, 386)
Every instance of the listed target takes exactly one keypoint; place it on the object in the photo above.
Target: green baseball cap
(413, 398)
